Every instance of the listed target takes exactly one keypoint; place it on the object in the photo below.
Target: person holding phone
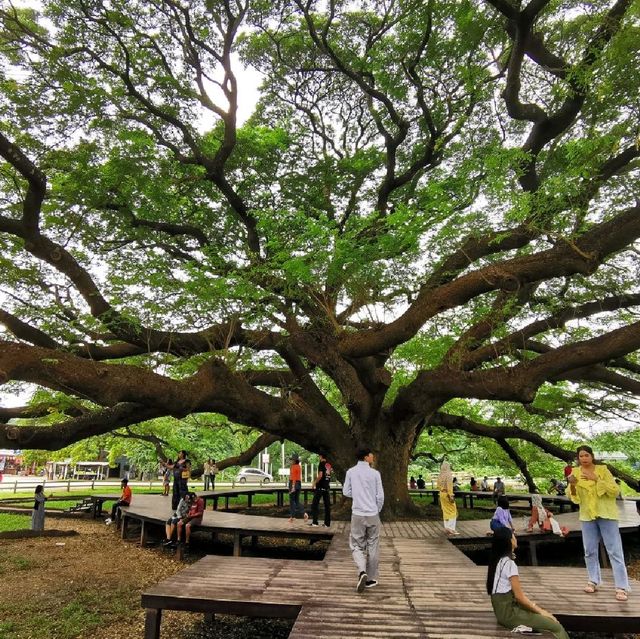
(592, 487)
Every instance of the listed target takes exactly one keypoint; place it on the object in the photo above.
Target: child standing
(502, 515)
(510, 604)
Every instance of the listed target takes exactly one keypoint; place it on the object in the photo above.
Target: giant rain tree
(432, 209)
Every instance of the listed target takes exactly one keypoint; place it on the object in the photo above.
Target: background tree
(431, 212)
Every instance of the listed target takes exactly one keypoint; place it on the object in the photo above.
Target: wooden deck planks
(428, 588)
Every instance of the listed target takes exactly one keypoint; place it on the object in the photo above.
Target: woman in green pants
(512, 607)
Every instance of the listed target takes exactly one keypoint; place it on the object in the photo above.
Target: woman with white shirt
(512, 607)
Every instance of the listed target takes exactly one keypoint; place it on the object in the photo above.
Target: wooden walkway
(428, 589)
(154, 510)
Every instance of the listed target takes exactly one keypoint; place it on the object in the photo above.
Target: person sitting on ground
(513, 609)
(412, 483)
(544, 518)
(557, 487)
(125, 500)
(420, 483)
(473, 485)
(498, 489)
(193, 518)
(484, 484)
(180, 513)
(502, 515)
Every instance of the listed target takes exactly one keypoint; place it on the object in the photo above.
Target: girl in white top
(512, 607)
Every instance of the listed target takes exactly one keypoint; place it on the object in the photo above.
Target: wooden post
(237, 544)
(152, 619)
(143, 533)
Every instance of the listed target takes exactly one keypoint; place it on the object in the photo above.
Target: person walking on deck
(364, 485)
(447, 499)
(321, 491)
(295, 488)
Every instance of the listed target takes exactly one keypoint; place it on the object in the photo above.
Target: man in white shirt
(364, 485)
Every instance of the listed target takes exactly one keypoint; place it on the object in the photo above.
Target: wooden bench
(153, 511)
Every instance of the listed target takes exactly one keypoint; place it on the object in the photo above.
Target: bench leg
(533, 554)
(152, 619)
(249, 501)
(124, 522)
(143, 534)
(254, 540)
(237, 547)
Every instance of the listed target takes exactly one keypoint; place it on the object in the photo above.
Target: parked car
(253, 475)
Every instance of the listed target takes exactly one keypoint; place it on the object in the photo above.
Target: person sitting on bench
(125, 500)
(180, 513)
(193, 518)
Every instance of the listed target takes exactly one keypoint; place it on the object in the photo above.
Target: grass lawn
(10, 522)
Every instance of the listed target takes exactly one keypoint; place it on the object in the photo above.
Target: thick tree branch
(456, 422)
(61, 434)
(246, 456)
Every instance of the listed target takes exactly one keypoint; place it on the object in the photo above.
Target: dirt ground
(88, 586)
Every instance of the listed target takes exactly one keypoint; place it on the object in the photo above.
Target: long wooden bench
(153, 510)
(280, 492)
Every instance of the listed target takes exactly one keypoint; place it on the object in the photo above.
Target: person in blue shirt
(364, 485)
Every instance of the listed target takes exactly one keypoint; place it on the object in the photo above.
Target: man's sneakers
(108, 521)
(314, 525)
(371, 583)
(169, 543)
(362, 581)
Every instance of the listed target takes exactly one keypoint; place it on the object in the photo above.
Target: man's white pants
(363, 541)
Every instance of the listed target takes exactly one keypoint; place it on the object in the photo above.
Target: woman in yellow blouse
(447, 499)
(593, 488)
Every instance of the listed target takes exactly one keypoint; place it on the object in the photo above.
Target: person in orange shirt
(295, 487)
(125, 500)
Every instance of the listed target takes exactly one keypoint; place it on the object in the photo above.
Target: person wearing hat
(295, 487)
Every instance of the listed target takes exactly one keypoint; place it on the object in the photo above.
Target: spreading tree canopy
(428, 222)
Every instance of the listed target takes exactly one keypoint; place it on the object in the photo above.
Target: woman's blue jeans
(607, 530)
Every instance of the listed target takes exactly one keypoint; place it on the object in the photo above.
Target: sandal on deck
(621, 594)
(590, 587)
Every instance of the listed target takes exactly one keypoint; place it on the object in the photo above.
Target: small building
(10, 461)
(91, 470)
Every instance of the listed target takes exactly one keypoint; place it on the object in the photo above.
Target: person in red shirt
(295, 487)
(193, 518)
(125, 500)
